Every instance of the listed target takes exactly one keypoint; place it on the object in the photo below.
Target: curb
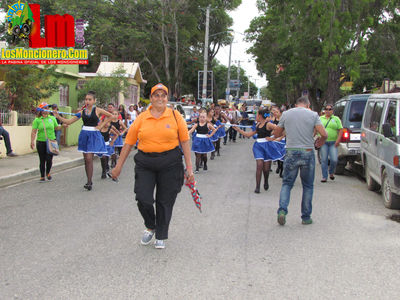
(34, 172)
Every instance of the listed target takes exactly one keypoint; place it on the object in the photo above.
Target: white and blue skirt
(91, 141)
(214, 137)
(220, 131)
(119, 142)
(268, 150)
(110, 150)
(202, 144)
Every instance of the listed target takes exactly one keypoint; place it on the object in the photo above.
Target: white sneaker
(159, 244)
(147, 237)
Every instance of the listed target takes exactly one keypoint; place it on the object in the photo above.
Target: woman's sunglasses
(328, 108)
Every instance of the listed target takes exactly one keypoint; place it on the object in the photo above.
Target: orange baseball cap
(43, 105)
(159, 86)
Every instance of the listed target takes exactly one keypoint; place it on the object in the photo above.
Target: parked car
(380, 147)
(252, 117)
(186, 111)
(350, 110)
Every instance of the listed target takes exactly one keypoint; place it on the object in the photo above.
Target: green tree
(26, 86)
(164, 36)
(383, 55)
(106, 88)
(313, 45)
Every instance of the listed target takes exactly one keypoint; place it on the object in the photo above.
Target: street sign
(234, 84)
(209, 91)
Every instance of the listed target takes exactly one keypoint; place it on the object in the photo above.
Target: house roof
(132, 69)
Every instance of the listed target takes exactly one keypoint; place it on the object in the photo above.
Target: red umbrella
(195, 193)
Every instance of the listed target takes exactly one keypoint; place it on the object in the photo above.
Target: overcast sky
(241, 21)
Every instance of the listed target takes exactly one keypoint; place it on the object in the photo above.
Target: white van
(380, 146)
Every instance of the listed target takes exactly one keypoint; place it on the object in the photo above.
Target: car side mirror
(387, 130)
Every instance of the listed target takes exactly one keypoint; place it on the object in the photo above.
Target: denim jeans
(328, 150)
(242, 127)
(58, 136)
(6, 138)
(304, 161)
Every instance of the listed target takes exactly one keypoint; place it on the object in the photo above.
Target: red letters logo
(59, 30)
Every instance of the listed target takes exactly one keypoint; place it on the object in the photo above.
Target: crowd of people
(162, 137)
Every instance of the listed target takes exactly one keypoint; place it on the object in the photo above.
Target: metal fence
(5, 117)
(25, 119)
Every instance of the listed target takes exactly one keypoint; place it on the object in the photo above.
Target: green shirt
(51, 123)
(333, 127)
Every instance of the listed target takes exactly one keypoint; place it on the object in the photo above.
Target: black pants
(163, 171)
(232, 134)
(46, 160)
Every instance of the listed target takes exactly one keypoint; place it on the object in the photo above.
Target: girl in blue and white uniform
(90, 139)
(221, 118)
(105, 130)
(201, 143)
(281, 141)
(264, 150)
(119, 127)
(214, 138)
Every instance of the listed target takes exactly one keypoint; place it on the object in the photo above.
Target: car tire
(372, 185)
(390, 200)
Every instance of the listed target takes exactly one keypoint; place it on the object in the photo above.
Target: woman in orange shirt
(158, 163)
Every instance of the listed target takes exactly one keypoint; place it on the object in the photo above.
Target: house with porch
(132, 73)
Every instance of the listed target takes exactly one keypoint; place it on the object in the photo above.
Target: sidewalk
(25, 167)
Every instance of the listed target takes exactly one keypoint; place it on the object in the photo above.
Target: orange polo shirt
(157, 135)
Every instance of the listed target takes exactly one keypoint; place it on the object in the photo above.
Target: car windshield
(357, 111)
(188, 110)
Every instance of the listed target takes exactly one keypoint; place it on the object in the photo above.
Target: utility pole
(228, 90)
(248, 87)
(238, 77)
(204, 90)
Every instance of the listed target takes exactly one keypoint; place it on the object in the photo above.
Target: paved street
(59, 242)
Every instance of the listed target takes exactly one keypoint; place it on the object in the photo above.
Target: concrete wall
(20, 136)
(73, 130)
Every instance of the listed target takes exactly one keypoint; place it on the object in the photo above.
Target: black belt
(157, 154)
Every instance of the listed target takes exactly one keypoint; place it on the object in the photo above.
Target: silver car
(380, 146)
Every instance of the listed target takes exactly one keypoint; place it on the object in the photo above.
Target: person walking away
(44, 127)
(329, 151)
(158, 163)
(299, 124)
